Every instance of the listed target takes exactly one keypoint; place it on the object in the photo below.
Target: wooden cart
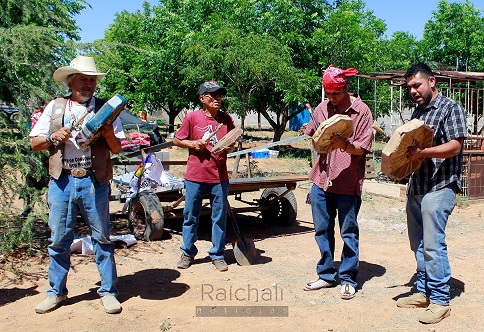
(148, 210)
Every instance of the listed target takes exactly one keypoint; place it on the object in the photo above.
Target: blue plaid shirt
(448, 120)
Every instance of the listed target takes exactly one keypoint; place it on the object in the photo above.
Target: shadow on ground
(11, 295)
(457, 287)
(150, 284)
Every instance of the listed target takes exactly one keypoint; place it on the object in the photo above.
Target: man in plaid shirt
(431, 194)
(338, 183)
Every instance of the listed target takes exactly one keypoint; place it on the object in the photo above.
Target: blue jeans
(67, 197)
(427, 217)
(324, 207)
(217, 193)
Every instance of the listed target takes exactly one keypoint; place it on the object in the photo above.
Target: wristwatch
(48, 139)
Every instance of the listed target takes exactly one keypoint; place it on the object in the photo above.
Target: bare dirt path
(158, 297)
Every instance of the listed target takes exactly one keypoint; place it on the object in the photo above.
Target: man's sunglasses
(214, 94)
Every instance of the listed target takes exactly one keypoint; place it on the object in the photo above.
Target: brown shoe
(417, 300)
(434, 313)
(184, 262)
(220, 265)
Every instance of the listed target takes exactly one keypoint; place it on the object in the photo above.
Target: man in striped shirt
(431, 194)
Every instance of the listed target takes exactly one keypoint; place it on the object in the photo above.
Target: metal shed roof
(396, 76)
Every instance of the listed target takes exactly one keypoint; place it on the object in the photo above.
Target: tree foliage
(399, 52)
(268, 53)
(143, 52)
(36, 45)
(454, 37)
(33, 45)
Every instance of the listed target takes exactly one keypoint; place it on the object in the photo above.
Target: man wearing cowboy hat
(79, 181)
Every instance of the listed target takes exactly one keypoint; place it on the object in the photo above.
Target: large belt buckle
(78, 172)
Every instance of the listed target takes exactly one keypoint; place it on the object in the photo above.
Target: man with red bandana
(338, 181)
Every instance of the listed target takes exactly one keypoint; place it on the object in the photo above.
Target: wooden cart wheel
(282, 212)
(146, 217)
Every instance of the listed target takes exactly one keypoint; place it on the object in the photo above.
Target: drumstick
(379, 129)
(76, 123)
(211, 135)
(310, 110)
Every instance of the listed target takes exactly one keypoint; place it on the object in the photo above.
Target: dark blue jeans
(217, 193)
(325, 206)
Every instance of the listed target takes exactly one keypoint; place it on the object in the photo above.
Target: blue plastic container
(262, 153)
(299, 120)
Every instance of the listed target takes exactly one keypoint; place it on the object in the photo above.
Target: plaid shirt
(344, 171)
(448, 120)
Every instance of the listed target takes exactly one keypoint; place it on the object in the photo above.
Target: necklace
(74, 119)
(209, 115)
(73, 116)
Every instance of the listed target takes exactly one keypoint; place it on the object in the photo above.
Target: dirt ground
(158, 297)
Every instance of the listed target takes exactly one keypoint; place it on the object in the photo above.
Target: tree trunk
(242, 122)
(171, 122)
(172, 114)
(278, 131)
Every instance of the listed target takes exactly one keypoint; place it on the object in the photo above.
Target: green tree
(143, 51)
(269, 54)
(36, 45)
(349, 37)
(267, 27)
(395, 54)
(35, 36)
(156, 55)
(352, 37)
(454, 37)
(399, 52)
(251, 65)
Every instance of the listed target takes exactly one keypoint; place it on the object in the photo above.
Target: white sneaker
(347, 291)
(111, 304)
(52, 302)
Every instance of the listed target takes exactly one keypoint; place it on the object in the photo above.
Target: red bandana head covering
(334, 79)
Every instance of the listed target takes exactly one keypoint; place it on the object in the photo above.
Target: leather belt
(77, 172)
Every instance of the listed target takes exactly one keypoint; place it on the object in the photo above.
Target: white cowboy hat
(80, 65)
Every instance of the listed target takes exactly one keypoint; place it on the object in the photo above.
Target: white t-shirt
(74, 156)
